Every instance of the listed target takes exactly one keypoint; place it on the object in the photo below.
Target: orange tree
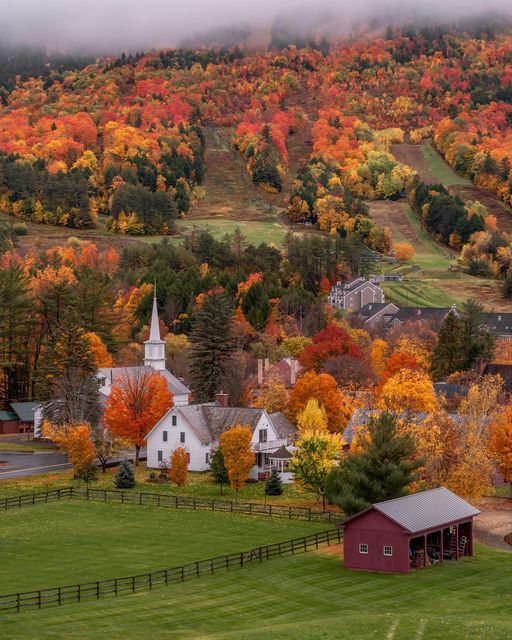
(322, 387)
(136, 403)
(235, 444)
(178, 470)
(76, 440)
(500, 442)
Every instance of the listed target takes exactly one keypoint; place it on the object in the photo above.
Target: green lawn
(443, 172)
(198, 484)
(73, 541)
(306, 597)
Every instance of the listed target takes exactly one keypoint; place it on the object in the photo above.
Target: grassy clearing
(68, 542)
(198, 484)
(440, 169)
(305, 597)
(270, 231)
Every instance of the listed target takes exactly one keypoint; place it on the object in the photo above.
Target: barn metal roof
(426, 510)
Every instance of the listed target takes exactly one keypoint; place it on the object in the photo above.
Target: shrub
(124, 477)
(273, 484)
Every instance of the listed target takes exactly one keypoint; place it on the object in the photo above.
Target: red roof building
(411, 532)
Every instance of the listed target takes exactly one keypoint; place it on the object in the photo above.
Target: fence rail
(173, 502)
(57, 596)
(207, 504)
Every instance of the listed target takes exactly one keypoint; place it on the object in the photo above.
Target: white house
(197, 428)
(355, 294)
(154, 359)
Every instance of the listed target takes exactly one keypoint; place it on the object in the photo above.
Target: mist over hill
(98, 27)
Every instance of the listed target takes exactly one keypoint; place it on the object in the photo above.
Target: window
(160, 456)
(182, 436)
(207, 458)
(164, 436)
(263, 434)
(388, 551)
(363, 548)
(174, 420)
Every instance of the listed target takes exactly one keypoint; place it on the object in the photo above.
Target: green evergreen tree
(383, 469)
(218, 468)
(125, 478)
(478, 340)
(273, 484)
(450, 351)
(256, 306)
(211, 345)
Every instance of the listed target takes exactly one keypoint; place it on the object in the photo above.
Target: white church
(197, 427)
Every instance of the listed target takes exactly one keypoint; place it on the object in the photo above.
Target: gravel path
(494, 523)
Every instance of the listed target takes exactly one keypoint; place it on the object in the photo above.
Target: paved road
(18, 465)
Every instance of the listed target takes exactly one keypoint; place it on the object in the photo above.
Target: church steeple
(154, 348)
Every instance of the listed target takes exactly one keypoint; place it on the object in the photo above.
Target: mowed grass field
(74, 541)
(306, 597)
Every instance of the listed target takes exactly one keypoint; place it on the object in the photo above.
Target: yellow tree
(235, 444)
(273, 395)
(178, 469)
(100, 354)
(378, 351)
(315, 455)
(403, 251)
(436, 447)
(408, 391)
(500, 442)
(76, 440)
(312, 418)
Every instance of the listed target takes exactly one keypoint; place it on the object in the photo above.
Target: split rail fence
(173, 502)
(57, 596)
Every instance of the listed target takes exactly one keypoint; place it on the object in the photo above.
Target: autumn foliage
(178, 469)
(235, 444)
(328, 343)
(136, 403)
(75, 440)
(322, 387)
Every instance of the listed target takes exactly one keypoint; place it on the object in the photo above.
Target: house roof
(8, 415)
(499, 323)
(24, 410)
(449, 389)
(424, 510)
(370, 310)
(209, 420)
(429, 314)
(280, 454)
(504, 370)
(176, 387)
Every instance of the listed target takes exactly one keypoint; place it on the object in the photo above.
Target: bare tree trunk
(137, 453)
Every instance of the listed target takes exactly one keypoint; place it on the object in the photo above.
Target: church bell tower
(154, 348)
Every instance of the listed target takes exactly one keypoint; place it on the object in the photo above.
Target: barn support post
(441, 546)
(470, 542)
(424, 550)
(456, 541)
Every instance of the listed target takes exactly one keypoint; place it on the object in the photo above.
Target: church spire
(154, 333)
(154, 348)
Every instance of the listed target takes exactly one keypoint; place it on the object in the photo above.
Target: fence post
(242, 559)
(79, 593)
(140, 498)
(166, 576)
(39, 600)
(158, 500)
(194, 503)
(270, 510)
(98, 589)
(150, 575)
(175, 502)
(182, 573)
(197, 568)
(18, 602)
(104, 495)
(60, 596)
(122, 497)
(133, 584)
(290, 513)
(115, 586)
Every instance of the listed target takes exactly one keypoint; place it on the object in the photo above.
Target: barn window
(160, 456)
(388, 551)
(164, 436)
(363, 548)
(182, 436)
(174, 420)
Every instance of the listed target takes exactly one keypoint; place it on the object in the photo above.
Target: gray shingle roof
(426, 510)
(281, 454)
(284, 428)
(176, 387)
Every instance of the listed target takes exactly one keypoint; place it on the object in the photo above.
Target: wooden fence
(173, 502)
(67, 594)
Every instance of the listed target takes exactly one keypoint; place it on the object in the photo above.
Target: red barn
(409, 532)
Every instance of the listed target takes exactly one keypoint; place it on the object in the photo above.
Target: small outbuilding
(411, 532)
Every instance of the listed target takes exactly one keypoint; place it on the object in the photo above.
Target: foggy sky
(99, 26)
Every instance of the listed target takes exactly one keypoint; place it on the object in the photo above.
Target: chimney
(260, 372)
(293, 371)
(222, 399)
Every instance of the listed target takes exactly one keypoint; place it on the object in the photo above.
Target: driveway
(18, 465)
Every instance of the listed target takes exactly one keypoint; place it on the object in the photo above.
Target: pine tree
(218, 468)
(449, 354)
(211, 345)
(381, 470)
(125, 478)
(256, 306)
(273, 484)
